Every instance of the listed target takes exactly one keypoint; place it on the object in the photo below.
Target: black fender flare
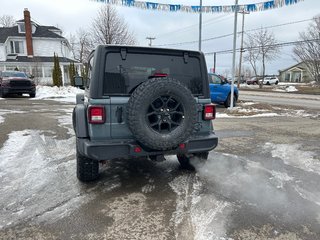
(79, 118)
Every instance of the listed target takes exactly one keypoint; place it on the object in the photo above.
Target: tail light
(158, 75)
(96, 115)
(137, 149)
(209, 112)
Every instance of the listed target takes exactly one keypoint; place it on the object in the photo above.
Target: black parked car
(15, 82)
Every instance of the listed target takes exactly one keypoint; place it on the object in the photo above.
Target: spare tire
(161, 113)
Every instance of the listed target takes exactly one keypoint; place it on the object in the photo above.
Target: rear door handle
(119, 114)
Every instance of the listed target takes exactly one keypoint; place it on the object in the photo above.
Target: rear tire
(32, 95)
(2, 95)
(87, 169)
(186, 161)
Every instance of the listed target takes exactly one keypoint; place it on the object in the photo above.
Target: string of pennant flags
(254, 7)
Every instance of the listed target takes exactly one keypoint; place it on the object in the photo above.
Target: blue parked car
(220, 90)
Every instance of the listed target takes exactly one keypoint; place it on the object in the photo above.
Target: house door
(296, 77)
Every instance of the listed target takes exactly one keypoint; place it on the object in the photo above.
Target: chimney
(28, 28)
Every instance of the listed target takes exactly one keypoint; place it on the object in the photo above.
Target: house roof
(293, 66)
(41, 31)
(25, 59)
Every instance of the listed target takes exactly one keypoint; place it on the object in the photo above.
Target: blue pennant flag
(152, 5)
(174, 8)
(128, 3)
(289, 2)
(251, 8)
(195, 8)
(216, 8)
(268, 5)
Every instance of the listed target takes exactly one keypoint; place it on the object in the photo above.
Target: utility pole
(241, 47)
(150, 40)
(214, 62)
(234, 52)
(200, 25)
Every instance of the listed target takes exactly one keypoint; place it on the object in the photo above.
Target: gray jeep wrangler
(143, 102)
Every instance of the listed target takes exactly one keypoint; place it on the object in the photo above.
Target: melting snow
(293, 156)
(199, 215)
(4, 112)
(291, 89)
(35, 171)
(64, 94)
(224, 115)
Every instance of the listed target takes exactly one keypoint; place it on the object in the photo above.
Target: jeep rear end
(144, 102)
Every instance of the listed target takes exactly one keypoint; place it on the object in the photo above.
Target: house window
(11, 67)
(22, 28)
(25, 69)
(37, 72)
(48, 72)
(16, 47)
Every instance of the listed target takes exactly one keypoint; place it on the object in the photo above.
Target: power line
(220, 19)
(257, 47)
(230, 34)
(282, 24)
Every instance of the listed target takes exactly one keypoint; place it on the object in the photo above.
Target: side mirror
(223, 81)
(78, 81)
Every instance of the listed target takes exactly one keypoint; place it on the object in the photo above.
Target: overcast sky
(170, 28)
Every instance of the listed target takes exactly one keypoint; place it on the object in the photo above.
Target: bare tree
(110, 28)
(308, 51)
(252, 54)
(261, 45)
(7, 21)
(85, 45)
(81, 45)
(226, 73)
(73, 44)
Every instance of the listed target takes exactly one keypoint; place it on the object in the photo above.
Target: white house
(296, 73)
(30, 47)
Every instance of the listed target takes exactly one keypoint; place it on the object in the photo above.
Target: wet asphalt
(261, 182)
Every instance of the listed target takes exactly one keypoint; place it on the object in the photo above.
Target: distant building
(30, 47)
(296, 73)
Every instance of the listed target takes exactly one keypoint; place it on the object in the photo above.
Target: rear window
(122, 76)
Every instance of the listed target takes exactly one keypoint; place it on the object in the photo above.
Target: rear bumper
(110, 149)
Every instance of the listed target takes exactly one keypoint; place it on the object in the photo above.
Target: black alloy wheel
(165, 114)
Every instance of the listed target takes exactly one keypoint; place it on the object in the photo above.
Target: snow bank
(64, 94)
(291, 89)
(225, 115)
(287, 89)
(290, 83)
